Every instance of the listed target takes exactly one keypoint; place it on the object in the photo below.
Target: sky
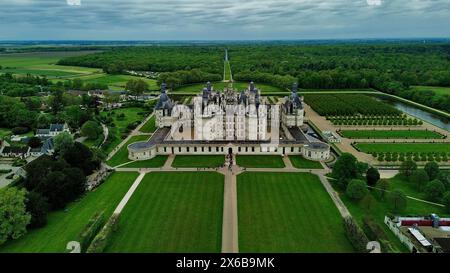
(222, 19)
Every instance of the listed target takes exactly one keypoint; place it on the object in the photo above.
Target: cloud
(74, 2)
(374, 2)
(221, 19)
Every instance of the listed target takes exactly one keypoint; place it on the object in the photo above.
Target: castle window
(195, 149)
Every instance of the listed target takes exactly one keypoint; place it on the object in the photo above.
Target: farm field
(404, 147)
(300, 162)
(43, 64)
(121, 156)
(287, 212)
(64, 226)
(156, 162)
(385, 134)
(198, 161)
(172, 212)
(260, 161)
(436, 89)
(197, 88)
(149, 127)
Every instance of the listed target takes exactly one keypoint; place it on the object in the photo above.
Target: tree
(357, 189)
(368, 201)
(62, 142)
(13, 215)
(80, 156)
(397, 200)
(383, 187)
(444, 177)
(372, 176)
(446, 201)
(136, 87)
(57, 101)
(91, 130)
(407, 167)
(432, 169)
(434, 190)
(34, 142)
(37, 206)
(419, 178)
(345, 169)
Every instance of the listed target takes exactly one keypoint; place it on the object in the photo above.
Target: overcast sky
(222, 19)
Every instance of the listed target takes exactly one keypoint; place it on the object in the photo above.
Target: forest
(390, 68)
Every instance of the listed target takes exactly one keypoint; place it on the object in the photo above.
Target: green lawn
(260, 161)
(198, 161)
(172, 212)
(156, 162)
(287, 212)
(404, 147)
(300, 162)
(418, 134)
(121, 156)
(150, 126)
(197, 88)
(227, 73)
(117, 82)
(64, 226)
(436, 89)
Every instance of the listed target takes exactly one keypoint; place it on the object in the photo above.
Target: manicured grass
(260, 161)
(300, 162)
(287, 212)
(172, 212)
(64, 226)
(404, 147)
(156, 162)
(197, 88)
(198, 161)
(418, 134)
(150, 126)
(131, 115)
(227, 73)
(436, 89)
(121, 156)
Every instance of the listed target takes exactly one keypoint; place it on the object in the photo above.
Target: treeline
(285, 81)
(157, 59)
(389, 68)
(178, 78)
(23, 86)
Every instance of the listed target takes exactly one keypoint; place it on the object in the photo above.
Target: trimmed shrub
(90, 230)
(355, 235)
(100, 241)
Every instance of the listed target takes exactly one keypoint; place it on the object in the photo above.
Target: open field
(149, 127)
(197, 88)
(198, 161)
(172, 212)
(260, 161)
(64, 226)
(436, 89)
(156, 162)
(43, 64)
(287, 212)
(404, 147)
(300, 162)
(381, 134)
(116, 82)
(121, 156)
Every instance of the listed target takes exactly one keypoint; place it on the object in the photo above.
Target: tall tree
(397, 200)
(407, 167)
(13, 215)
(372, 176)
(432, 169)
(419, 178)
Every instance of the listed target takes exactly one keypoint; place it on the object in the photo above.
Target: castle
(229, 121)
